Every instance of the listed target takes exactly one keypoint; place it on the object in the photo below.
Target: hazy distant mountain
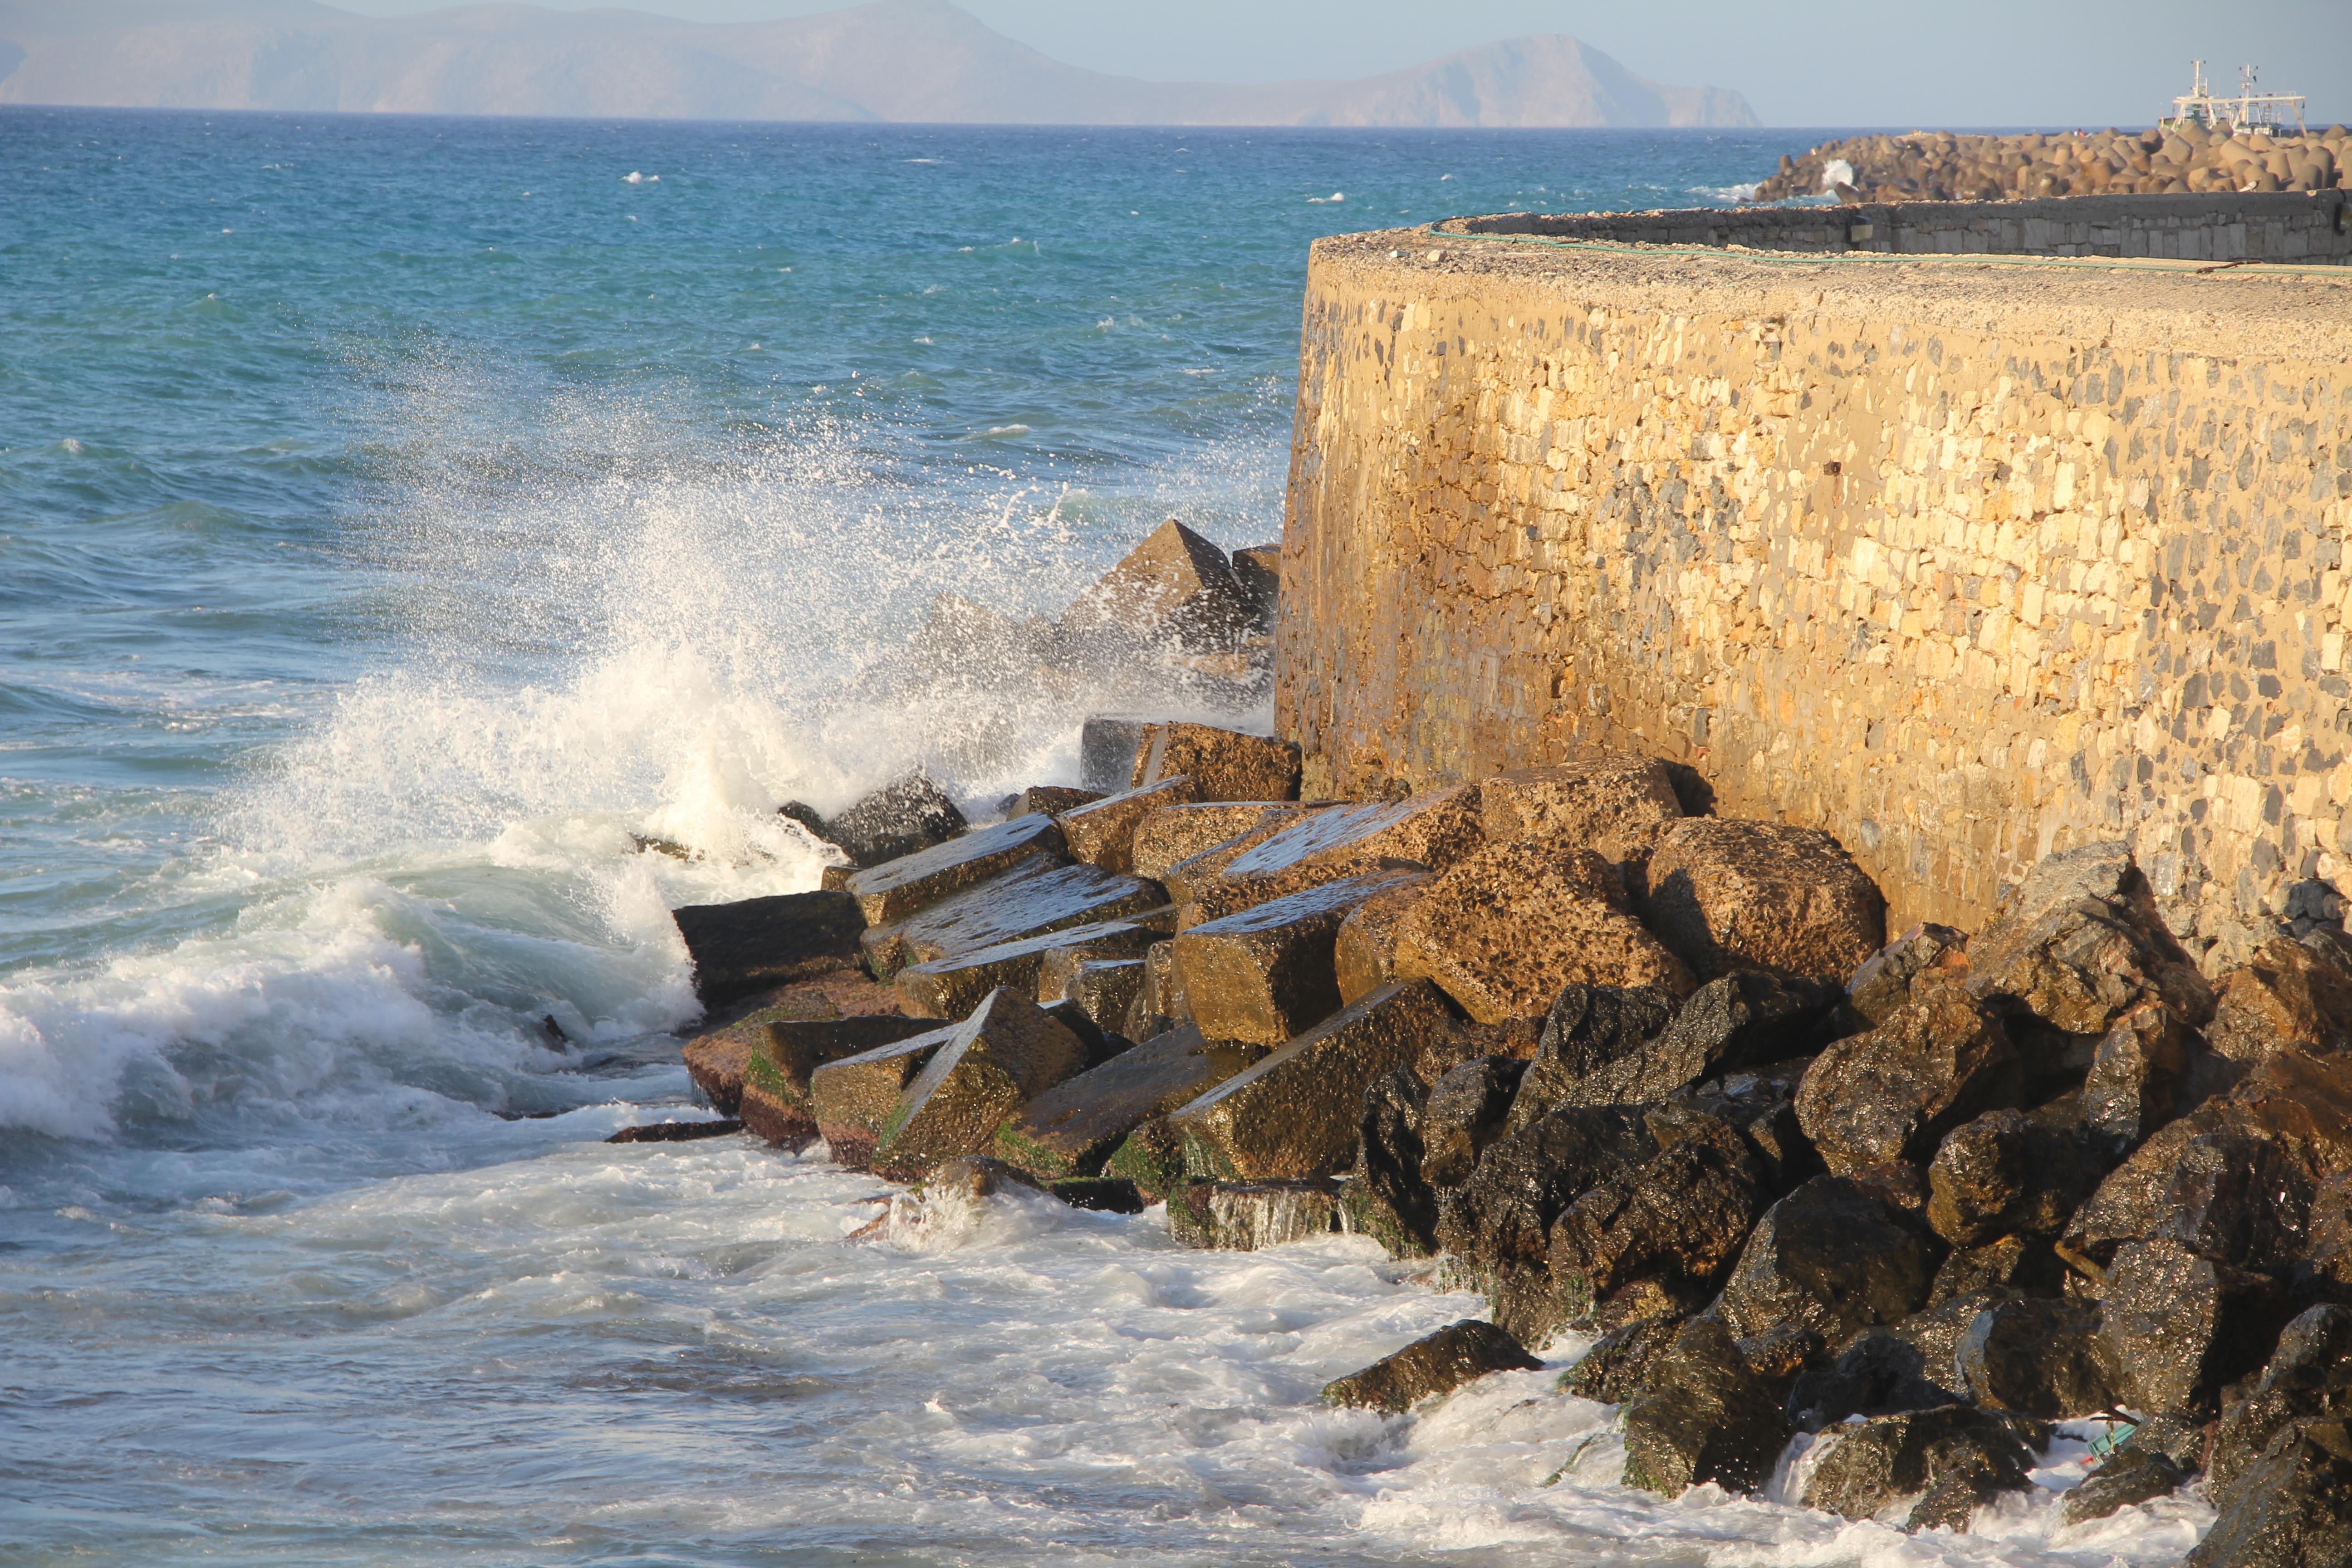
(918, 61)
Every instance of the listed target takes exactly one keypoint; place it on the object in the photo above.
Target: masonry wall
(2314, 229)
(1963, 565)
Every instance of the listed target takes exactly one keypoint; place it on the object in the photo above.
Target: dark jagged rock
(2007, 1174)
(1006, 1055)
(1295, 1113)
(1399, 1209)
(2221, 1188)
(676, 1131)
(1726, 894)
(2153, 1461)
(1761, 1105)
(1883, 982)
(1738, 1021)
(897, 888)
(2293, 1509)
(2289, 993)
(2308, 1377)
(1266, 973)
(2079, 945)
(1502, 1212)
(2325, 1269)
(1953, 1458)
(1907, 1366)
(1247, 1216)
(1706, 1416)
(2174, 1328)
(2037, 1357)
(1641, 1300)
(1073, 1128)
(1106, 1195)
(903, 816)
(1685, 1213)
(1467, 1109)
(756, 944)
(1434, 1365)
(1035, 896)
(2140, 1075)
(1589, 1031)
(1831, 1257)
(1503, 930)
(1892, 1094)
(2016, 1265)
(1621, 1364)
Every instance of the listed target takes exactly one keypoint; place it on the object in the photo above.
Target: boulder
(1052, 800)
(676, 1131)
(2326, 1269)
(1258, 569)
(1468, 1109)
(908, 815)
(1216, 898)
(1295, 1113)
(1892, 1093)
(1036, 896)
(1434, 1365)
(1223, 764)
(995, 1062)
(1761, 1106)
(1266, 973)
(2175, 1327)
(1363, 955)
(1505, 929)
(951, 987)
(2079, 944)
(851, 1098)
(1683, 1214)
(1102, 832)
(1104, 988)
(897, 888)
(2293, 1509)
(1072, 1129)
(1833, 1257)
(755, 945)
(1883, 982)
(1612, 804)
(1396, 1205)
(1503, 1212)
(1174, 587)
(2308, 1377)
(716, 1063)
(2140, 1075)
(1250, 1215)
(2288, 994)
(1435, 828)
(1168, 836)
(1622, 1363)
(1705, 1417)
(1953, 1458)
(2222, 1188)
(1726, 894)
(1159, 1005)
(1742, 1020)
(2153, 1461)
(2007, 1174)
(1592, 1036)
(1910, 1364)
(2037, 1357)
(2020, 1265)
(775, 1094)
(1107, 744)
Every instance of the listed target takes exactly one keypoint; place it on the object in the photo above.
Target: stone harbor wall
(2300, 228)
(1947, 166)
(1964, 563)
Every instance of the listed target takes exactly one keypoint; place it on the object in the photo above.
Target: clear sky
(1800, 62)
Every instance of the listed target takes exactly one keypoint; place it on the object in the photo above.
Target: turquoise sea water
(398, 515)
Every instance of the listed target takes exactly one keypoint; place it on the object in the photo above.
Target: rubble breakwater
(1863, 1226)
(2189, 159)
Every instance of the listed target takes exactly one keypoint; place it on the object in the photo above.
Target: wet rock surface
(1035, 895)
(993, 1063)
(1705, 1417)
(1171, 835)
(1830, 1256)
(1892, 1093)
(1434, 1365)
(951, 987)
(1246, 1216)
(897, 888)
(899, 819)
(756, 944)
(1071, 1128)
(1363, 955)
(1435, 829)
(1102, 832)
(775, 1094)
(1953, 1458)
(851, 1098)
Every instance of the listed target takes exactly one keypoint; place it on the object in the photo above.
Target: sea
(405, 522)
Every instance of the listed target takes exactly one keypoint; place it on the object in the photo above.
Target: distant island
(893, 60)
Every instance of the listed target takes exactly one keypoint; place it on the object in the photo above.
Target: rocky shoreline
(1950, 166)
(1869, 1214)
